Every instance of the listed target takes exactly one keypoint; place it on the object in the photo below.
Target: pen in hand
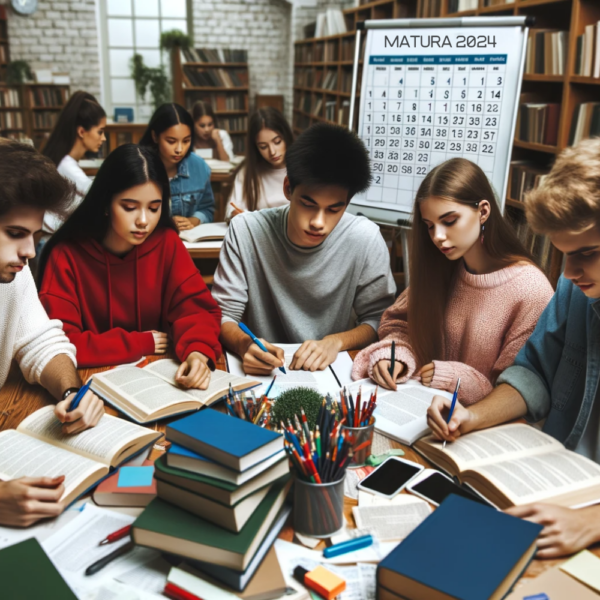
(452, 406)
(79, 396)
(247, 331)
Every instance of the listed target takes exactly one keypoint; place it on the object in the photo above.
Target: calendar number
(377, 166)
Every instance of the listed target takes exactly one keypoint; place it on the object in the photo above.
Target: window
(131, 27)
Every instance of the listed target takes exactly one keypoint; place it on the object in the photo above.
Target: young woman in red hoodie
(120, 279)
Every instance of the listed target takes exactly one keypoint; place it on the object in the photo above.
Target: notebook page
(25, 456)
(100, 443)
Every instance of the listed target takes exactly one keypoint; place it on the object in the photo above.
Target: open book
(517, 464)
(151, 393)
(38, 448)
(205, 232)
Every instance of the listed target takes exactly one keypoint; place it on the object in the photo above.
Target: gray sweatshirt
(288, 294)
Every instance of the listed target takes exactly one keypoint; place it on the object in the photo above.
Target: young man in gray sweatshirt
(309, 272)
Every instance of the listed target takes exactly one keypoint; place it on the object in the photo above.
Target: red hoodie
(109, 304)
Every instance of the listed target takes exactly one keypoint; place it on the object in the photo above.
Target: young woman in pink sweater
(475, 293)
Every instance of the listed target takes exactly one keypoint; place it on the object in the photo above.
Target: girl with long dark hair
(475, 294)
(120, 279)
(79, 129)
(207, 133)
(259, 179)
(171, 134)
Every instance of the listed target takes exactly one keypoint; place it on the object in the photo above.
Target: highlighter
(324, 582)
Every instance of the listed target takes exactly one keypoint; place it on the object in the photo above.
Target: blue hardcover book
(231, 442)
(462, 550)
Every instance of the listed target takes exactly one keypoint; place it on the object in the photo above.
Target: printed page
(322, 381)
(502, 443)
(204, 231)
(24, 456)
(533, 478)
(219, 380)
(101, 443)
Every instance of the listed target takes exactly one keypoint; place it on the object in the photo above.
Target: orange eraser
(325, 583)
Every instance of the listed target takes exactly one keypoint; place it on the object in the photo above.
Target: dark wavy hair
(81, 110)
(125, 167)
(164, 117)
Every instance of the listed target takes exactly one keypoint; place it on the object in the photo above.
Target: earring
(482, 232)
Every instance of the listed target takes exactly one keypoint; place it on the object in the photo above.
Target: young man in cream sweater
(30, 185)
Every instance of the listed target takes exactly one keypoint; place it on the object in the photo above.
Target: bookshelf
(42, 103)
(568, 90)
(222, 84)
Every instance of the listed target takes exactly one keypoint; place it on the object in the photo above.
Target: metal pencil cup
(319, 507)
(361, 441)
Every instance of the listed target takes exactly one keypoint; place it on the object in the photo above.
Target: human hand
(86, 415)
(257, 362)
(194, 372)
(215, 135)
(161, 342)
(462, 420)
(316, 355)
(565, 530)
(26, 500)
(426, 372)
(381, 374)
(183, 223)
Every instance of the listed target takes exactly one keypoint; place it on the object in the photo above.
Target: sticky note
(584, 567)
(135, 476)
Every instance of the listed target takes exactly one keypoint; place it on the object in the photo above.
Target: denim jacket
(191, 194)
(557, 370)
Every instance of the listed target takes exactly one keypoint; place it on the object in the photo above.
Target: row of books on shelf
(301, 121)
(229, 78)
(234, 123)
(315, 78)
(49, 96)
(321, 52)
(460, 5)
(218, 101)
(239, 145)
(19, 136)
(45, 120)
(330, 22)
(3, 53)
(538, 245)
(9, 99)
(585, 123)
(429, 9)
(537, 123)
(214, 55)
(547, 52)
(523, 177)
(11, 120)
(587, 53)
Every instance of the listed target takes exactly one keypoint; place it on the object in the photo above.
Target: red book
(108, 492)
(551, 131)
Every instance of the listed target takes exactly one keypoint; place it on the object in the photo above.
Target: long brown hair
(255, 164)
(203, 109)
(432, 275)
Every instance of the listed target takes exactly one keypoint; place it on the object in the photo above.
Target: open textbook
(39, 448)
(517, 464)
(151, 393)
(327, 381)
(205, 232)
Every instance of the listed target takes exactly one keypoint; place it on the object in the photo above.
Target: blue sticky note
(135, 476)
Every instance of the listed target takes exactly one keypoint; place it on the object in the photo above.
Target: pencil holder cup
(319, 507)
(361, 442)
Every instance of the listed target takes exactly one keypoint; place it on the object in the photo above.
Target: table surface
(19, 399)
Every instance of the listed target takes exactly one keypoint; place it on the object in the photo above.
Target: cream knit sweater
(488, 319)
(26, 332)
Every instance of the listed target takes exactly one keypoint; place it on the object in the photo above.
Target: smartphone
(435, 487)
(390, 477)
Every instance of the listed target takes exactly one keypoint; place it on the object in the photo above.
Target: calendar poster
(429, 95)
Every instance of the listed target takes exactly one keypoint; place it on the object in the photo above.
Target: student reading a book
(208, 135)
(79, 129)
(259, 179)
(171, 133)
(121, 280)
(31, 186)
(475, 294)
(555, 375)
(297, 273)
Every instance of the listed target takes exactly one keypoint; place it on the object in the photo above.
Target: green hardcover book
(17, 565)
(217, 489)
(169, 528)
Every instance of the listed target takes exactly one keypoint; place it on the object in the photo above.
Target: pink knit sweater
(488, 319)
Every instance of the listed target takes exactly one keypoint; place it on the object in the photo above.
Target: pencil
(393, 360)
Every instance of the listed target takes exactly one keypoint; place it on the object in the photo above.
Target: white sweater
(26, 332)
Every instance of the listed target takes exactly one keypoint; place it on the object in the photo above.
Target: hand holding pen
(261, 357)
(80, 410)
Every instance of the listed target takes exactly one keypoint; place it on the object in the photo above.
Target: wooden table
(18, 399)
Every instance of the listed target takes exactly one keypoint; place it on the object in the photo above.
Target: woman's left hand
(426, 374)
(184, 223)
(215, 135)
(194, 372)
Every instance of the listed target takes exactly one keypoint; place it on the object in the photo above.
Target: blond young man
(555, 376)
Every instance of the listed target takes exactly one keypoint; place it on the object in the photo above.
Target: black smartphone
(435, 487)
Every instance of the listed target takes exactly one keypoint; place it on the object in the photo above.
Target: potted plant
(153, 78)
(17, 72)
(175, 38)
(289, 403)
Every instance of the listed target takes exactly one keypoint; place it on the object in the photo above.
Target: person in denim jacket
(555, 375)
(171, 133)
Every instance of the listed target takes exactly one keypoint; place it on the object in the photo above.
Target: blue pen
(80, 394)
(270, 386)
(349, 546)
(257, 341)
(452, 406)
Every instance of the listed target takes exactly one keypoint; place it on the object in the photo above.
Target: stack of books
(587, 52)
(547, 52)
(538, 123)
(523, 177)
(585, 123)
(221, 491)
